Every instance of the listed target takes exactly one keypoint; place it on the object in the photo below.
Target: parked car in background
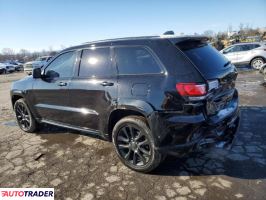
(149, 95)
(2, 69)
(18, 65)
(7, 67)
(253, 54)
(39, 62)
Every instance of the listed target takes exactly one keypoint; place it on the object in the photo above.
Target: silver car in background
(7, 68)
(253, 54)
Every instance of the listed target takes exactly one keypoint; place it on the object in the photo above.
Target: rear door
(140, 76)
(93, 91)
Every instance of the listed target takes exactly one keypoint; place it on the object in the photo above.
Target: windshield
(206, 58)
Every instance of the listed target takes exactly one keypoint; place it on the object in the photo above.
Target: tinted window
(253, 46)
(95, 62)
(135, 60)
(244, 47)
(207, 59)
(62, 66)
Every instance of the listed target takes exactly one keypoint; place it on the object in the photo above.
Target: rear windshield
(206, 58)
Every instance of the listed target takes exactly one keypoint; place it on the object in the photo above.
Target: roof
(243, 43)
(123, 39)
(173, 38)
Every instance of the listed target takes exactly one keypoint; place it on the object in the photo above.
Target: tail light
(191, 89)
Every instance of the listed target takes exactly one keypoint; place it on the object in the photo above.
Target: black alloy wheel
(24, 117)
(134, 144)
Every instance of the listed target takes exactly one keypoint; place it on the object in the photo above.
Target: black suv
(149, 95)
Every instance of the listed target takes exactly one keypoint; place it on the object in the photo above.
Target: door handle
(105, 83)
(62, 84)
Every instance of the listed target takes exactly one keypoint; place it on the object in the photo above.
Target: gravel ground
(82, 167)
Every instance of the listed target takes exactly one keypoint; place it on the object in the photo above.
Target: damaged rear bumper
(175, 133)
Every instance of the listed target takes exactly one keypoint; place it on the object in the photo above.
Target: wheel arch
(123, 110)
(258, 56)
(15, 97)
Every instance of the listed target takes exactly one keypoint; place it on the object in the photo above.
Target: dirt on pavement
(81, 167)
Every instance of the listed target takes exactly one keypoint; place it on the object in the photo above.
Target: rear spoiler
(176, 40)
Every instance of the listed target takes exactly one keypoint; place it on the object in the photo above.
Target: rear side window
(207, 59)
(253, 46)
(95, 62)
(136, 60)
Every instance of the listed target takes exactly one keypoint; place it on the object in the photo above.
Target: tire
(24, 117)
(256, 63)
(4, 72)
(134, 144)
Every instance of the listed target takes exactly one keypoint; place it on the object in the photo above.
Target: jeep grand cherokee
(148, 95)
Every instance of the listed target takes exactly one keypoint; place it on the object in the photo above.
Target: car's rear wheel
(256, 63)
(135, 145)
(24, 117)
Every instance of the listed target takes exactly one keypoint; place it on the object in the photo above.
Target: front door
(93, 91)
(231, 53)
(50, 93)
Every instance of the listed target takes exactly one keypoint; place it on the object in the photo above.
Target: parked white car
(253, 54)
(7, 68)
(39, 62)
(18, 65)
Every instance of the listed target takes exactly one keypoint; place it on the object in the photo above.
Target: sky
(53, 24)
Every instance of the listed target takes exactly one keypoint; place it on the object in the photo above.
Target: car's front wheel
(256, 63)
(135, 145)
(24, 117)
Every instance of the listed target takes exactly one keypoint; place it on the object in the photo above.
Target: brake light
(191, 89)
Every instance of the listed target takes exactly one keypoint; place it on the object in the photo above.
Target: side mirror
(37, 73)
(51, 74)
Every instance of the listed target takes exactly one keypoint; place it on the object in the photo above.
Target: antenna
(169, 33)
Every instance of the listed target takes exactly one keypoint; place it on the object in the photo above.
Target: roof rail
(121, 39)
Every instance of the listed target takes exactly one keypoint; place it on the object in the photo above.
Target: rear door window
(95, 63)
(136, 60)
(253, 46)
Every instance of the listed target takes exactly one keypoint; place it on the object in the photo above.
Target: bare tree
(209, 33)
(8, 53)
